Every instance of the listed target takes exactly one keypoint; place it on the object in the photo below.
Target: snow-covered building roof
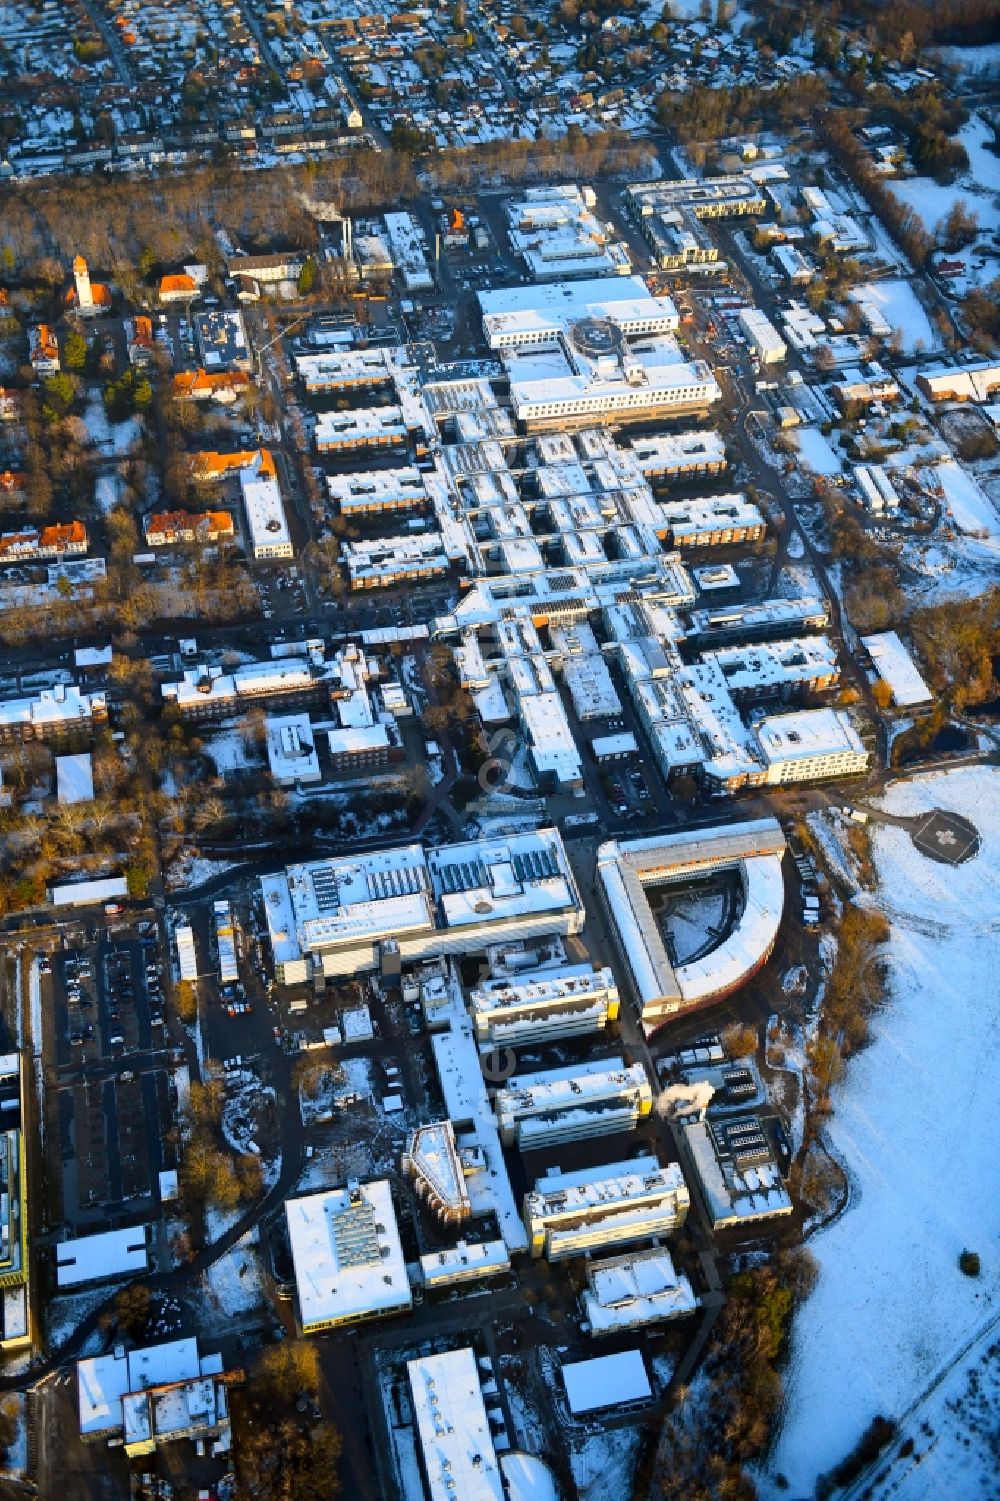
(626, 868)
(459, 1459)
(348, 1258)
(152, 1394)
(896, 667)
(607, 1381)
(568, 1214)
(736, 1188)
(75, 778)
(552, 1002)
(94, 1258)
(562, 1104)
(631, 1291)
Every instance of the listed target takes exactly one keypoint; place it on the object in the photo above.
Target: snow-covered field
(971, 507)
(979, 187)
(816, 453)
(902, 310)
(235, 1283)
(914, 1121)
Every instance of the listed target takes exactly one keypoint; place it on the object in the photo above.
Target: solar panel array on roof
(325, 887)
(535, 865)
(399, 880)
(355, 1239)
(464, 875)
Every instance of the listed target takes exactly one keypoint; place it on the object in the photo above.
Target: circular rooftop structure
(596, 338)
(528, 1477)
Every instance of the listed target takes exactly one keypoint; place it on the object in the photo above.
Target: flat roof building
(595, 1098)
(592, 351)
(896, 667)
(348, 1259)
(810, 745)
(453, 899)
(458, 1459)
(559, 237)
(626, 868)
(291, 750)
(706, 197)
(711, 521)
(51, 713)
(570, 1214)
(264, 509)
(153, 1395)
(764, 338)
(607, 1381)
(467, 1261)
(543, 1004)
(671, 455)
(95, 1258)
(734, 1172)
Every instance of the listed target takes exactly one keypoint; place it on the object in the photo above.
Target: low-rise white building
(467, 1261)
(635, 1291)
(291, 750)
(897, 668)
(96, 1258)
(810, 746)
(267, 523)
(762, 335)
(595, 1098)
(154, 1395)
(458, 1458)
(543, 1005)
(568, 1214)
(349, 1262)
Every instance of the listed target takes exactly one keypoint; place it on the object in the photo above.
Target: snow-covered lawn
(902, 310)
(973, 510)
(914, 1121)
(113, 437)
(603, 1463)
(979, 188)
(234, 1283)
(815, 452)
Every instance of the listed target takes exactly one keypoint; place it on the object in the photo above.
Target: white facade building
(267, 523)
(634, 1291)
(764, 338)
(595, 1098)
(291, 750)
(543, 1005)
(349, 1262)
(569, 1214)
(450, 900)
(810, 745)
(458, 1459)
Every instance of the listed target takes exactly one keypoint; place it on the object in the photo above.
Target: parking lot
(112, 1097)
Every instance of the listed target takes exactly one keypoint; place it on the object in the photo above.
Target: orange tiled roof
(210, 523)
(179, 283)
(62, 534)
(187, 382)
(212, 465)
